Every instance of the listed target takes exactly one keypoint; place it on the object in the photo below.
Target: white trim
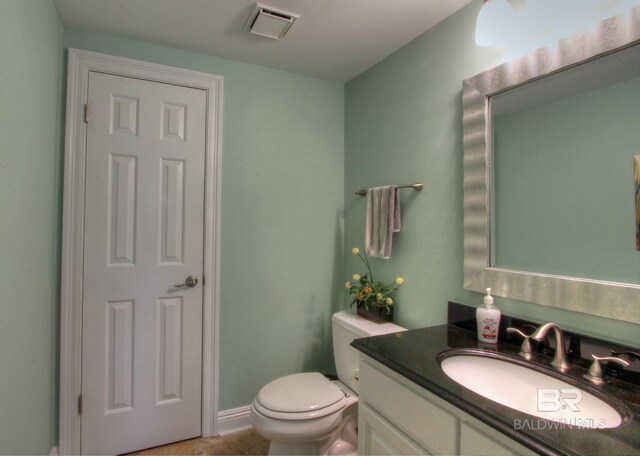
(234, 420)
(79, 65)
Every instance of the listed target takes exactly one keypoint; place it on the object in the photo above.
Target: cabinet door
(479, 439)
(425, 418)
(378, 437)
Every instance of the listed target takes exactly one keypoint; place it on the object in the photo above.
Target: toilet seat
(300, 397)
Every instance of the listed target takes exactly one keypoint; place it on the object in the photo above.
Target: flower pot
(375, 314)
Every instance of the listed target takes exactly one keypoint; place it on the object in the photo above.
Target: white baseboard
(229, 422)
(234, 420)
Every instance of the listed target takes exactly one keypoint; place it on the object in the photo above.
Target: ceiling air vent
(270, 22)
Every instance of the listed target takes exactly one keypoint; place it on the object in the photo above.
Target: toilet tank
(348, 326)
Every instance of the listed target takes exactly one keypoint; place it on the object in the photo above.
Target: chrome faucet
(560, 358)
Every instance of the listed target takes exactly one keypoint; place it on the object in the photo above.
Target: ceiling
(334, 40)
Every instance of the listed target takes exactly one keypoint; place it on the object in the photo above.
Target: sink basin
(510, 382)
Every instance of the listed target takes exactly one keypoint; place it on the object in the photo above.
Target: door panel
(142, 334)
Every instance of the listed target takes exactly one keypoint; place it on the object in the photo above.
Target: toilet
(309, 414)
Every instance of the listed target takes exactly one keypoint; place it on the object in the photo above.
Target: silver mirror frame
(604, 299)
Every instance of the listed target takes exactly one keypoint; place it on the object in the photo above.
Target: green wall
(403, 123)
(30, 130)
(282, 197)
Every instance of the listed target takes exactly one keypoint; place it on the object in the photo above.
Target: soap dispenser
(488, 318)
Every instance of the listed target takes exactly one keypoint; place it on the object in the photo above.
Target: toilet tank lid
(363, 327)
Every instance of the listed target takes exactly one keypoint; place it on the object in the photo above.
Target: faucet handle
(595, 374)
(630, 354)
(525, 349)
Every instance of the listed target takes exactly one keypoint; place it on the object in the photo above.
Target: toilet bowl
(308, 413)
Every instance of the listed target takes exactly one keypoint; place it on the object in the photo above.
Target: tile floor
(243, 443)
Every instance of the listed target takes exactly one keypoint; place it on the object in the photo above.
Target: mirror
(549, 204)
(562, 180)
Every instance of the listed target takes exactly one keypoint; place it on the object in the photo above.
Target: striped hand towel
(383, 219)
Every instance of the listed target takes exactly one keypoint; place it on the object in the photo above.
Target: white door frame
(79, 65)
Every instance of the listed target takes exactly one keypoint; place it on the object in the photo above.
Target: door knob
(191, 282)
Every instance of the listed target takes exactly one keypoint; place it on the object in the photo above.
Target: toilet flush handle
(356, 375)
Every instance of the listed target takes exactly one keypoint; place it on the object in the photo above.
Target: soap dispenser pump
(488, 319)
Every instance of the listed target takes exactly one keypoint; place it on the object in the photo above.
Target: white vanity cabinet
(397, 416)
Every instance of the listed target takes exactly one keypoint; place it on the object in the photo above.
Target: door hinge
(202, 280)
(80, 405)
(86, 113)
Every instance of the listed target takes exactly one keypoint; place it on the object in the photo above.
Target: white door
(142, 334)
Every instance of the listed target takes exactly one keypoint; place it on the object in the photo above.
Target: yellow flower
(379, 296)
(389, 301)
(348, 284)
(399, 280)
(356, 277)
(355, 250)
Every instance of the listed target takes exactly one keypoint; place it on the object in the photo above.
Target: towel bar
(417, 186)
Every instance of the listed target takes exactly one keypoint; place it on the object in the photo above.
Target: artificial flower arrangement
(368, 293)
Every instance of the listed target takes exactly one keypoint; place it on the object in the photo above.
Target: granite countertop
(414, 356)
